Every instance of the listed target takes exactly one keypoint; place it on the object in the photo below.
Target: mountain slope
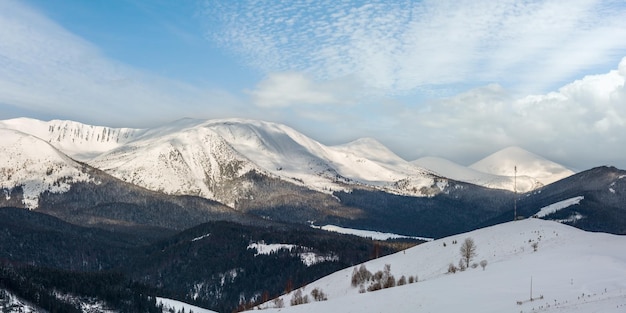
(505, 161)
(287, 153)
(571, 271)
(35, 167)
(600, 194)
(180, 159)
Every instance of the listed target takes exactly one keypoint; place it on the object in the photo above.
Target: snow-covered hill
(36, 166)
(498, 170)
(505, 161)
(570, 271)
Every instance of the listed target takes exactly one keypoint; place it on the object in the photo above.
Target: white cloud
(402, 46)
(583, 122)
(294, 88)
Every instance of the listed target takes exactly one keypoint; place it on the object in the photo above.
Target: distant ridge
(498, 170)
(503, 163)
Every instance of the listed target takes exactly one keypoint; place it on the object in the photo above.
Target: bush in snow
(379, 280)
(451, 268)
(535, 246)
(318, 295)
(461, 266)
(388, 280)
(483, 264)
(402, 280)
(279, 303)
(298, 298)
(360, 276)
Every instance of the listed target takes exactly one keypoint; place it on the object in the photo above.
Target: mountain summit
(505, 161)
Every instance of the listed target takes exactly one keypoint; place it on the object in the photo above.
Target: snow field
(568, 263)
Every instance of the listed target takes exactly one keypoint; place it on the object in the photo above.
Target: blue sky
(456, 79)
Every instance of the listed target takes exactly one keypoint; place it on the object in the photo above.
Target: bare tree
(468, 251)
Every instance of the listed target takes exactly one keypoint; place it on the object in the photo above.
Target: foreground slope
(571, 271)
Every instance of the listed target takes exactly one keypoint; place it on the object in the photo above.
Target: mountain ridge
(199, 155)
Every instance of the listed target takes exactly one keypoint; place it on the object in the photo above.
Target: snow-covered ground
(376, 235)
(308, 258)
(9, 302)
(571, 271)
(179, 306)
(552, 208)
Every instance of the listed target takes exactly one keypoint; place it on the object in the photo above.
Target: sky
(453, 79)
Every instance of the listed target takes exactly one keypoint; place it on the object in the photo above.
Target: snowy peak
(36, 166)
(80, 141)
(179, 159)
(284, 152)
(505, 161)
(459, 172)
(371, 149)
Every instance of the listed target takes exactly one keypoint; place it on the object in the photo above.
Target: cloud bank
(578, 125)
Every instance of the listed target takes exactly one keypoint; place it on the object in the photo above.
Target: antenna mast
(515, 192)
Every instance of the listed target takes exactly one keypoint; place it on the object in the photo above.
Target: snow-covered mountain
(35, 166)
(202, 157)
(569, 271)
(452, 170)
(79, 141)
(505, 161)
(285, 152)
(208, 158)
(498, 170)
(180, 158)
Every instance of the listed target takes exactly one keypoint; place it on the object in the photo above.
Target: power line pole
(515, 194)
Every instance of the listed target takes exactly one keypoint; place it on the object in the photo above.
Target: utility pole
(531, 288)
(515, 194)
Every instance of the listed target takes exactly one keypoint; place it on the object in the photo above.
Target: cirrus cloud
(397, 47)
